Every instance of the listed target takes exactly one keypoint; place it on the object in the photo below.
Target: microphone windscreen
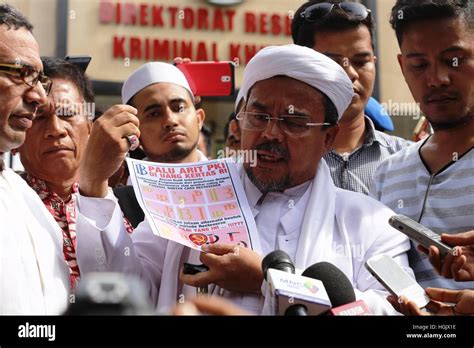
(277, 259)
(337, 285)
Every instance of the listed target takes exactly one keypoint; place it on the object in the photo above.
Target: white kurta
(34, 278)
(319, 223)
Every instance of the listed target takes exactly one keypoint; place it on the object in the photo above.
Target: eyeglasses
(29, 75)
(353, 10)
(296, 126)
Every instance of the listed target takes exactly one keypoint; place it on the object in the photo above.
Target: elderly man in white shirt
(294, 97)
(34, 278)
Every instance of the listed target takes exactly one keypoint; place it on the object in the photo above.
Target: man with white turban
(170, 124)
(294, 97)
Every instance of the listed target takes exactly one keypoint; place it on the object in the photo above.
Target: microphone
(339, 289)
(290, 294)
(106, 293)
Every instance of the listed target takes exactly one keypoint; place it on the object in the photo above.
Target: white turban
(151, 73)
(303, 64)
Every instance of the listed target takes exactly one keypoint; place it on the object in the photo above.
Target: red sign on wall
(211, 20)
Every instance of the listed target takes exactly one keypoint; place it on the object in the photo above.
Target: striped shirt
(354, 171)
(443, 201)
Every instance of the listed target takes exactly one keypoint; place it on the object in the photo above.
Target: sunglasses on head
(352, 10)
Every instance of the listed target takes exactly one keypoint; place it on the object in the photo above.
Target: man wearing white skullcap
(169, 122)
(151, 73)
(294, 97)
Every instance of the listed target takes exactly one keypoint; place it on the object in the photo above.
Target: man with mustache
(34, 277)
(58, 137)
(431, 182)
(290, 192)
(33, 274)
(343, 31)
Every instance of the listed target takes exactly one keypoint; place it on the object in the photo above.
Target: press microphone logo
(311, 287)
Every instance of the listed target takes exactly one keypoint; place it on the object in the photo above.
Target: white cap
(303, 64)
(151, 73)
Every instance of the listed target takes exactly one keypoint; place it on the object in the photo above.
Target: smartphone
(419, 233)
(82, 62)
(396, 280)
(189, 268)
(210, 79)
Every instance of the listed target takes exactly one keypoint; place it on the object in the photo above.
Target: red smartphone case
(209, 79)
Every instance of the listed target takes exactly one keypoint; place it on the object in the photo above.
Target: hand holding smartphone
(189, 268)
(419, 233)
(396, 280)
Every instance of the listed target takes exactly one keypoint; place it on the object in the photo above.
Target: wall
(393, 89)
(93, 30)
(42, 14)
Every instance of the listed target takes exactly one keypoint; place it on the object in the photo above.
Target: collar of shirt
(41, 188)
(2, 163)
(255, 197)
(278, 215)
(292, 216)
(372, 135)
(64, 213)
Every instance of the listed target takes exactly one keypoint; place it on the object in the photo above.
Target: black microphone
(105, 293)
(292, 295)
(278, 259)
(339, 289)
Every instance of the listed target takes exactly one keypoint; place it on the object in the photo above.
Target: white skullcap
(151, 73)
(303, 64)
(240, 96)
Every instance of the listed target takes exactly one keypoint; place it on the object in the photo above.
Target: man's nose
(273, 130)
(54, 127)
(36, 96)
(171, 120)
(438, 76)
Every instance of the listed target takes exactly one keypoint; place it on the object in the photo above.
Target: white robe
(34, 278)
(338, 226)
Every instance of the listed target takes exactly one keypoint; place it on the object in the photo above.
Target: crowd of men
(325, 178)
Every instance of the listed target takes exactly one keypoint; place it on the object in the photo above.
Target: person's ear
(234, 128)
(400, 62)
(201, 116)
(330, 136)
